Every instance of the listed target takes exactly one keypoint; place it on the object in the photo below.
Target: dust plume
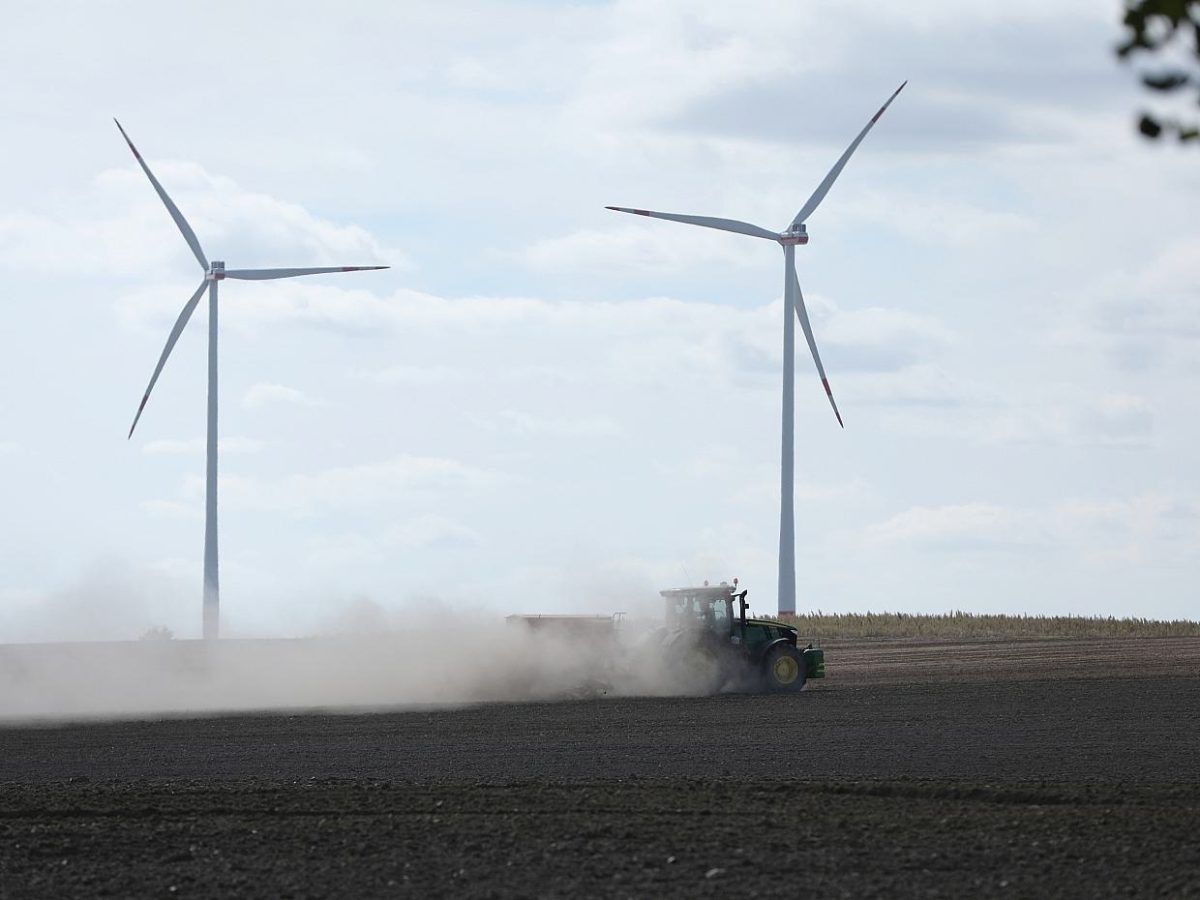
(366, 662)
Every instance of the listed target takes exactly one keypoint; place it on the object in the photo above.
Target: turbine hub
(216, 271)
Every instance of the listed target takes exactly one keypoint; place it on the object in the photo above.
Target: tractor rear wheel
(783, 670)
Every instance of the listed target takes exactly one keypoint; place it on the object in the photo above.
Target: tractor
(709, 638)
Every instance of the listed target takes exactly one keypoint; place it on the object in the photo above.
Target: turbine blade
(705, 221)
(184, 228)
(823, 188)
(267, 274)
(802, 314)
(188, 309)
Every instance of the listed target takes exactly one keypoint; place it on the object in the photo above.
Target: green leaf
(1149, 127)
(1165, 81)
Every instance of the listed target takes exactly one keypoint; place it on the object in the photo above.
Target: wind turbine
(796, 233)
(214, 273)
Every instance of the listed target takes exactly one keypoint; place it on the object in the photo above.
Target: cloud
(1110, 420)
(474, 75)
(369, 484)
(981, 78)
(918, 385)
(173, 509)
(926, 402)
(1112, 531)
(412, 375)
(708, 463)
(263, 394)
(935, 218)
(430, 532)
(1145, 317)
(1137, 529)
(119, 227)
(521, 423)
(1142, 313)
(728, 470)
(659, 56)
(195, 446)
(932, 118)
(956, 527)
(640, 249)
(877, 339)
(109, 600)
(635, 340)
(1118, 420)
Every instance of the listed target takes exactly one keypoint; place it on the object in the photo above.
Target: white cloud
(173, 509)
(919, 385)
(473, 74)
(876, 338)
(430, 532)
(958, 527)
(109, 599)
(638, 248)
(369, 484)
(521, 423)
(1147, 318)
(728, 470)
(637, 340)
(1138, 529)
(264, 394)
(1119, 530)
(414, 375)
(928, 403)
(120, 227)
(1109, 420)
(942, 221)
(1118, 420)
(659, 57)
(194, 446)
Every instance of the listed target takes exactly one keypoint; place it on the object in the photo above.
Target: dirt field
(1022, 769)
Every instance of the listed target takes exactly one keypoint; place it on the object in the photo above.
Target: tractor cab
(701, 608)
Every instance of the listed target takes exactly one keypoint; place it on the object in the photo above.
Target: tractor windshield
(720, 617)
(704, 608)
(707, 614)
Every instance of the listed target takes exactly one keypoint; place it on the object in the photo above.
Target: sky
(546, 406)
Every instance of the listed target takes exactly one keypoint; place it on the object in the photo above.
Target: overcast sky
(544, 405)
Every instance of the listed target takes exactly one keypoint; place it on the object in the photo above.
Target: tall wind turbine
(796, 233)
(214, 273)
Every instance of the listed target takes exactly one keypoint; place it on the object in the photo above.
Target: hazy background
(548, 406)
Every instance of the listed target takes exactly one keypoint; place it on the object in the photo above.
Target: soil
(916, 769)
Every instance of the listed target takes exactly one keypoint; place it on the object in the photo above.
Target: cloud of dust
(108, 600)
(367, 658)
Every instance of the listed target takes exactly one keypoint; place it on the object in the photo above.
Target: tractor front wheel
(783, 670)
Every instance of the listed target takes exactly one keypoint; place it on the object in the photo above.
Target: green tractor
(708, 634)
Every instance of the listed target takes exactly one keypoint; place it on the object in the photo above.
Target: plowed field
(1064, 768)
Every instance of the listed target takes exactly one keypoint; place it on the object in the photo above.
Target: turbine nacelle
(216, 271)
(796, 234)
